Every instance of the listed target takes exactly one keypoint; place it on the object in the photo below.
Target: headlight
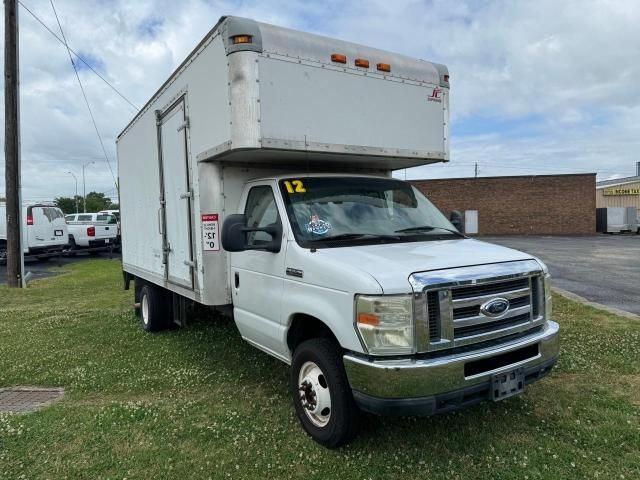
(385, 323)
(547, 296)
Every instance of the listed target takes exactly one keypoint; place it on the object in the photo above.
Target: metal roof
(617, 181)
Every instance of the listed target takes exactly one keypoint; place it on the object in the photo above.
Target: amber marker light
(384, 67)
(338, 58)
(368, 319)
(241, 39)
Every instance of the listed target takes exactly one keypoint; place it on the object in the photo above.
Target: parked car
(258, 180)
(44, 232)
(92, 232)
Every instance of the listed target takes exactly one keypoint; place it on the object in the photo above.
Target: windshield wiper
(427, 228)
(356, 236)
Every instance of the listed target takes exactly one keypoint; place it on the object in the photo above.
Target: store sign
(621, 191)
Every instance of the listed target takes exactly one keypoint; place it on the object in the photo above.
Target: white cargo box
(250, 100)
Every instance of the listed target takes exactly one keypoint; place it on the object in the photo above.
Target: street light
(84, 190)
(76, 196)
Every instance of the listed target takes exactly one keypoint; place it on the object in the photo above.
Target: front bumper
(426, 386)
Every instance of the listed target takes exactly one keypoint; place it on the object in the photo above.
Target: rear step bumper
(426, 386)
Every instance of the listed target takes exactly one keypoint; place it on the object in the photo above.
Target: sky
(537, 87)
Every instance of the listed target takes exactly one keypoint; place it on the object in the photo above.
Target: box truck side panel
(328, 107)
(189, 113)
(139, 177)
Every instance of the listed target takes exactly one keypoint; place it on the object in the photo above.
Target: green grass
(200, 403)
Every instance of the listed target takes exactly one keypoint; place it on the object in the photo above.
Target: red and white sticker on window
(210, 232)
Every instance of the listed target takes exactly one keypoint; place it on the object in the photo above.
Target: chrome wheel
(314, 394)
(145, 309)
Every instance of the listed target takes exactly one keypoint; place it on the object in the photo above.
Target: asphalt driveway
(602, 268)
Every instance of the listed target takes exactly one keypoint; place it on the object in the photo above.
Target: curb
(598, 306)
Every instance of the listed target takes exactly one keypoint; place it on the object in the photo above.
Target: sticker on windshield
(295, 186)
(317, 226)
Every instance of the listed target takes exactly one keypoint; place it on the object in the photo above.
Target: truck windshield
(340, 211)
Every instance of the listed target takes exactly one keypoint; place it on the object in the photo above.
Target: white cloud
(571, 66)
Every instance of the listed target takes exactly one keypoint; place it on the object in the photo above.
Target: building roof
(618, 181)
(554, 175)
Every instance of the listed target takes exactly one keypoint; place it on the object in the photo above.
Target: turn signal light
(361, 62)
(241, 39)
(29, 220)
(384, 67)
(368, 319)
(338, 58)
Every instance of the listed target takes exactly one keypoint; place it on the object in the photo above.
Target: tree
(97, 201)
(68, 204)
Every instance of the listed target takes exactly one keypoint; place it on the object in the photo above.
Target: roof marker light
(236, 39)
(361, 62)
(338, 58)
(384, 67)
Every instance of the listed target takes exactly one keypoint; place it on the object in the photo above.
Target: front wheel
(321, 393)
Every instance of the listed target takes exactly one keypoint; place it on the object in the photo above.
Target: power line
(84, 95)
(76, 54)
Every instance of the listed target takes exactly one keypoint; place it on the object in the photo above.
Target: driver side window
(261, 210)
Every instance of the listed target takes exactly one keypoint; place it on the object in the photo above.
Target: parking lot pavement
(42, 269)
(602, 268)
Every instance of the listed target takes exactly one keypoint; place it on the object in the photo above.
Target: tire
(321, 393)
(154, 308)
(72, 246)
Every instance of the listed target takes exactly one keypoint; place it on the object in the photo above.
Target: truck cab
(362, 285)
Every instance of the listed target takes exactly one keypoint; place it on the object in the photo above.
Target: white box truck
(44, 231)
(259, 177)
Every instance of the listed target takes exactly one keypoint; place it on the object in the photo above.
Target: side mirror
(235, 230)
(456, 220)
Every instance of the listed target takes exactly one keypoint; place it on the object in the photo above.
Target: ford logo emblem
(495, 307)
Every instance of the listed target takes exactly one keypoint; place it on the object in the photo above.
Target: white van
(44, 230)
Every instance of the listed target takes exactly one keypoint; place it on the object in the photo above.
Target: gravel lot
(602, 268)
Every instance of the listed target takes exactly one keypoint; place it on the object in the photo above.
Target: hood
(392, 264)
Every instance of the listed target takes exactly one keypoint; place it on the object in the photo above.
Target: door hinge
(188, 194)
(184, 124)
(189, 263)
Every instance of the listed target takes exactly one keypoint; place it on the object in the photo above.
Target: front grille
(459, 315)
(433, 308)
(489, 288)
(521, 319)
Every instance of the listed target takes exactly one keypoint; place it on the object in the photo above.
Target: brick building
(521, 205)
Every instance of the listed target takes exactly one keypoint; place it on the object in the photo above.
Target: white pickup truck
(92, 232)
(258, 180)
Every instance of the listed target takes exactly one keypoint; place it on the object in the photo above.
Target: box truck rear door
(176, 192)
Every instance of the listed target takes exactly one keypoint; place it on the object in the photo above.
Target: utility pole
(76, 196)
(84, 190)
(15, 258)
(476, 176)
